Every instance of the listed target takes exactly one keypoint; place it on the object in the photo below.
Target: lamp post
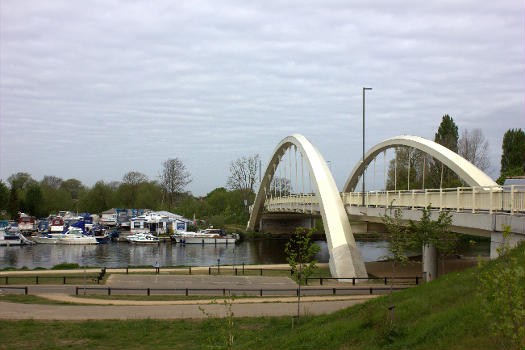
(363, 191)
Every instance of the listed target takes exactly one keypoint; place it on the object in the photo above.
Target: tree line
(22, 193)
(414, 169)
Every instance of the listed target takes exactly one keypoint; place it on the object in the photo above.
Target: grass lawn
(443, 314)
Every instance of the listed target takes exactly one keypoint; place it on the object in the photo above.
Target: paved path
(15, 311)
(95, 301)
(199, 281)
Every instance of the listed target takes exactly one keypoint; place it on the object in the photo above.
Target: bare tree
(52, 181)
(113, 185)
(280, 186)
(473, 146)
(134, 178)
(243, 172)
(173, 178)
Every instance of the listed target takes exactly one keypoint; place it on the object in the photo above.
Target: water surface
(166, 254)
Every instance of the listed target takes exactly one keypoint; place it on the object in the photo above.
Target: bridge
(298, 185)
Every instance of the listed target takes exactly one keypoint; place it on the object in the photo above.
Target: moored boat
(208, 236)
(75, 235)
(142, 238)
(11, 236)
(57, 225)
(27, 224)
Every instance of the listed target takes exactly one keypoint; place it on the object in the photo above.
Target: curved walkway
(173, 310)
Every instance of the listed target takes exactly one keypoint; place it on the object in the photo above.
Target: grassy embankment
(442, 314)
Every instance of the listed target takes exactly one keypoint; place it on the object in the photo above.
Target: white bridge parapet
(509, 199)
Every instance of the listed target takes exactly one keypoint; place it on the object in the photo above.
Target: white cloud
(103, 87)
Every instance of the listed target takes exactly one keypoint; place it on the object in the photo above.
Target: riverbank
(443, 314)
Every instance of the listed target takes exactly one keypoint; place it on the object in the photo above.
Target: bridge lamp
(363, 191)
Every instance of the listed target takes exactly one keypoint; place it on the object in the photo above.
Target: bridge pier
(430, 265)
(286, 224)
(497, 240)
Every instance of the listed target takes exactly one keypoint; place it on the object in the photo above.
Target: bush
(66, 266)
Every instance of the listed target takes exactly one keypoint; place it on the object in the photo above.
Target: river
(166, 254)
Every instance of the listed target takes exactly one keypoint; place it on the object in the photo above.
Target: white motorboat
(11, 236)
(208, 236)
(143, 238)
(75, 236)
(50, 238)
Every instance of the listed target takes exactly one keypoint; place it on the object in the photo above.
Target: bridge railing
(498, 198)
(509, 199)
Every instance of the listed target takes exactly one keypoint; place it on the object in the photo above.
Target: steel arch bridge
(345, 258)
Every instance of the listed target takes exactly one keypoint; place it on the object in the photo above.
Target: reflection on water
(166, 254)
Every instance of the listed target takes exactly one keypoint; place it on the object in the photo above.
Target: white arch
(345, 258)
(467, 171)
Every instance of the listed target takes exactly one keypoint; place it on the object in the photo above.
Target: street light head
(365, 88)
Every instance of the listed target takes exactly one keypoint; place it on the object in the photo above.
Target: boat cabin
(109, 217)
(26, 223)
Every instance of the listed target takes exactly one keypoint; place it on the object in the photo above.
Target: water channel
(166, 254)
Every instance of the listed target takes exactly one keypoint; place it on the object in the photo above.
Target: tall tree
(4, 196)
(513, 156)
(13, 206)
(447, 135)
(74, 187)
(20, 180)
(407, 161)
(473, 146)
(34, 200)
(98, 199)
(243, 174)
(173, 179)
(149, 194)
(129, 186)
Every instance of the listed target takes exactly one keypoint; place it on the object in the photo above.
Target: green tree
(4, 196)
(503, 295)
(300, 252)
(20, 180)
(74, 187)
(128, 188)
(34, 200)
(149, 194)
(407, 160)
(513, 155)
(399, 243)
(13, 206)
(447, 136)
(55, 199)
(437, 232)
(98, 199)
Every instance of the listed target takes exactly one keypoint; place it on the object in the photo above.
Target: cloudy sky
(93, 89)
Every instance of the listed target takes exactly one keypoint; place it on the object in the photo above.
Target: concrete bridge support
(285, 224)
(429, 262)
(497, 240)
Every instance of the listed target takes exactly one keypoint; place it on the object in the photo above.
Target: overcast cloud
(94, 89)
